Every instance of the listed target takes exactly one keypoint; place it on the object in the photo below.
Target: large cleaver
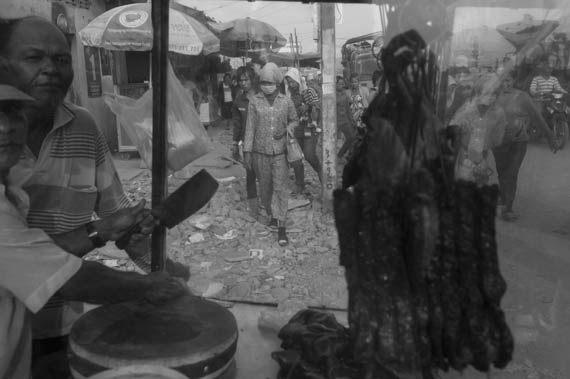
(181, 204)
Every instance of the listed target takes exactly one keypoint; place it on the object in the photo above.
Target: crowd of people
(263, 100)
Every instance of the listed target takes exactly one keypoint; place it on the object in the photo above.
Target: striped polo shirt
(541, 85)
(72, 179)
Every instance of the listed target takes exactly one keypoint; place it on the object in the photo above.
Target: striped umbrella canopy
(129, 28)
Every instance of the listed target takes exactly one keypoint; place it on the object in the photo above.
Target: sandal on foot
(282, 239)
(273, 225)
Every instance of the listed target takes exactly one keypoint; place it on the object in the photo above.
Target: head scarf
(293, 73)
(271, 73)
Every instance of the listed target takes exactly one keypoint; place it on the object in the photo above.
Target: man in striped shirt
(545, 83)
(67, 168)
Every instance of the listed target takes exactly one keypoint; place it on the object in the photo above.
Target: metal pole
(160, 10)
(328, 108)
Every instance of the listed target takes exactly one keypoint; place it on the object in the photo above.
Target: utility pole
(297, 59)
(328, 102)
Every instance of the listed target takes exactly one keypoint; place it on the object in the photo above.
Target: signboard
(93, 71)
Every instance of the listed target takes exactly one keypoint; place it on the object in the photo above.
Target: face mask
(269, 89)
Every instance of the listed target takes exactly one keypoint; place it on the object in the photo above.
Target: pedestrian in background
(312, 98)
(378, 84)
(305, 132)
(520, 110)
(246, 77)
(344, 121)
(358, 96)
(226, 98)
(481, 123)
(270, 117)
(293, 79)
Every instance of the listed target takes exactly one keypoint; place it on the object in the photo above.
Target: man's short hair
(7, 27)
(354, 75)
(245, 70)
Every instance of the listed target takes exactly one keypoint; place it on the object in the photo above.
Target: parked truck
(358, 56)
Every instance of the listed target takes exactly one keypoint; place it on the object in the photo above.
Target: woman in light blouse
(271, 118)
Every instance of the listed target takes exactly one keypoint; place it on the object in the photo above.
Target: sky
(353, 20)
(472, 17)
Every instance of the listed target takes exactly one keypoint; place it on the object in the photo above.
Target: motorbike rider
(545, 83)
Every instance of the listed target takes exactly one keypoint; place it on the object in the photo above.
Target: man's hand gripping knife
(138, 247)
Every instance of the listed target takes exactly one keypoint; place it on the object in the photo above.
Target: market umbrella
(129, 27)
(241, 36)
(521, 32)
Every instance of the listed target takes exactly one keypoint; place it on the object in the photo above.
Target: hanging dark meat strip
(475, 322)
(493, 284)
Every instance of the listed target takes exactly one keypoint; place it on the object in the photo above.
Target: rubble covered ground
(236, 258)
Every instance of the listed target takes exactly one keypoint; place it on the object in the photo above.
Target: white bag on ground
(187, 138)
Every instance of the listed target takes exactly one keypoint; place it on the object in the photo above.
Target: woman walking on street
(270, 117)
(246, 78)
(303, 134)
(519, 110)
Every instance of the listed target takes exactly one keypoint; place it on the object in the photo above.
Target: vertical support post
(328, 108)
(159, 122)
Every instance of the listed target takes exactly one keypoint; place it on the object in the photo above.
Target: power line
(273, 11)
(258, 9)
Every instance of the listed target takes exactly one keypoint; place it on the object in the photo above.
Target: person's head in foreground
(40, 58)
(13, 127)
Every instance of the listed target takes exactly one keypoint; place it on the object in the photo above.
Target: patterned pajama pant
(272, 171)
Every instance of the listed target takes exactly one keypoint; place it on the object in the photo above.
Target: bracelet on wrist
(94, 236)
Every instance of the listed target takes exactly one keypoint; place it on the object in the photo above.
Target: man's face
(545, 69)
(40, 57)
(244, 82)
(340, 85)
(13, 130)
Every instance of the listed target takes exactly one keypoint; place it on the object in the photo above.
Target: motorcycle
(557, 114)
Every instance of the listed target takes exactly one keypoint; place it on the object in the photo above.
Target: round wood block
(191, 335)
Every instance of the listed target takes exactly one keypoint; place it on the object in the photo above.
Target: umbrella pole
(159, 118)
